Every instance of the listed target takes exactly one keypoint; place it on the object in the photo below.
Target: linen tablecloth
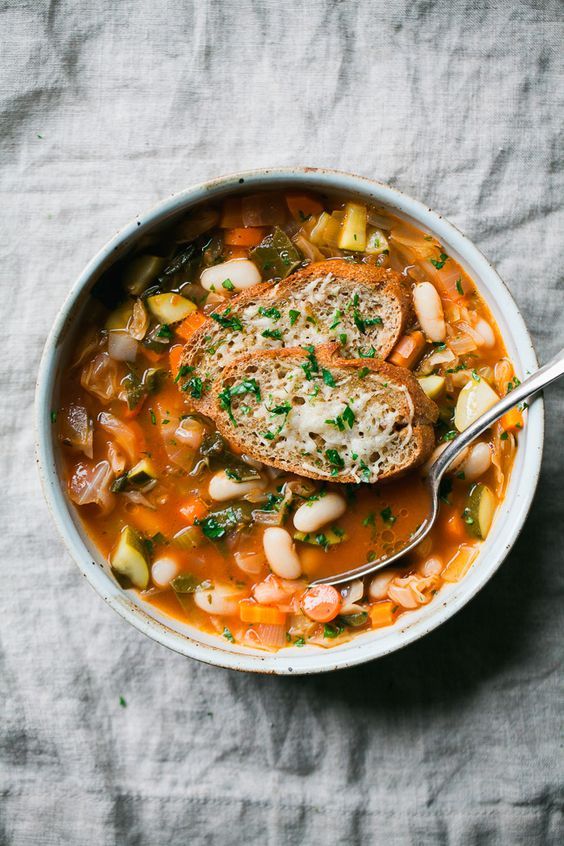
(108, 107)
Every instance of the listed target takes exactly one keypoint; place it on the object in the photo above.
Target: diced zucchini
(480, 510)
(432, 385)
(170, 308)
(276, 256)
(328, 537)
(129, 558)
(475, 398)
(143, 473)
(120, 317)
(140, 272)
(189, 538)
(353, 230)
(355, 620)
(376, 242)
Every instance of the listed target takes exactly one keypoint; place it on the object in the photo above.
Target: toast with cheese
(362, 307)
(314, 413)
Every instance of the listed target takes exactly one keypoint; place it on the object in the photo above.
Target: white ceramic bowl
(409, 627)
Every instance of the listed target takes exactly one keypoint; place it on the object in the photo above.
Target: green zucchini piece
(480, 510)
(329, 537)
(355, 620)
(143, 473)
(140, 272)
(276, 256)
(170, 308)
(129, 558)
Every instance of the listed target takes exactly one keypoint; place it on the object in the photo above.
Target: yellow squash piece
(475, 398)
(432, 385)
(170, 308)
(353, 229)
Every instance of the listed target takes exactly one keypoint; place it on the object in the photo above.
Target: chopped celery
(276, 256)
(188, 538)
(353, 230)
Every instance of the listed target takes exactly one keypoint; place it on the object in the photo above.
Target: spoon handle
(542, 377)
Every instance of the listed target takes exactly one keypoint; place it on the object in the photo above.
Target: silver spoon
(535, 383)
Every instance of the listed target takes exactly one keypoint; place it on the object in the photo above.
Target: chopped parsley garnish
(515, 382)
(183, 371)
(348, 416)
(387, 516)
(335, 460)
(476, 376)
(467, 516)
(299, 641)
(441, 262)
(343, 339)
(122, 702)
(227, 322)
(194, 386)
(363, 372)
(504, 436)
(285, 408)
(370, 520)
(272, 312)
(153, 417)
(336, 421)
(361, 322)
(228, 285)
(369, 354)
(232, 474)
(227, 635)
(53, 417)
(275, 334)
(164, 331)
(336, 319)
(310, 366)
(450, 436)
(328, 378)
(332, 630)
(248, 386)
(293, 316)
(459, 287)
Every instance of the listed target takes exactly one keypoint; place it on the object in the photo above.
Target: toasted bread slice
(314, 413)
(363, 307)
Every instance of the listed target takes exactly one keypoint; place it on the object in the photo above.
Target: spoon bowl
(551, 371)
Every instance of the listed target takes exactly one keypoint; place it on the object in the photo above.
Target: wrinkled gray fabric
(108, 107)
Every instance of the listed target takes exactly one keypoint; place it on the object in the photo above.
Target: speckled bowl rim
(410, 627)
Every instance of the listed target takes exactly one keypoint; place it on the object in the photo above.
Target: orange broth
(377, 518)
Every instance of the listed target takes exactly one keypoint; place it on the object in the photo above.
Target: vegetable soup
(217, 539)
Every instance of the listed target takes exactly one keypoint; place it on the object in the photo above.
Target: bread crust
(425, 412)
(370, 275)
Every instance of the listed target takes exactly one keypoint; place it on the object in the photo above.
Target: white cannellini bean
(429, 310)
(477, 462)
(281, 553)
(221, 487)
(242, 273)
(164, 570)
(484, 329)
(378, 588)
(221, 600)
(316, 513)
(454, 465)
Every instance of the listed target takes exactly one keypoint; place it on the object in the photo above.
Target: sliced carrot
(252, 612)
(243, 236)
(174, 357)
(408, 350)
(455, 527)
(189, 325)
(193, 508)
(382, 614)
(321, 603)
(151, 354)
(512, 420)
(147, 521)
(302, 206)
(459, 564)
(231, 213)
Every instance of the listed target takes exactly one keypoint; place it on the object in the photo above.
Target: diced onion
(122, 347)
(271, 635)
